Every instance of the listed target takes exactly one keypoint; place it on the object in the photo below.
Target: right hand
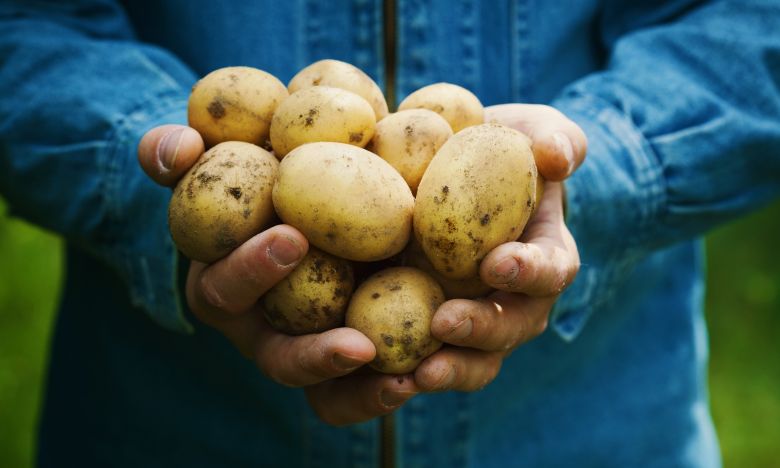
(225, 294)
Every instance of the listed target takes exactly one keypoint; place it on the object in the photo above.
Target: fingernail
(461, 330)
(346, 363)
(168, 148)
(564, 146)
(394, 398)
(506, 270)
(284, 251)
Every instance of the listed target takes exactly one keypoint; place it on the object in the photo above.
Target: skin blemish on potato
(311, 117)
(234, 192)
(376, 295)
(216, 109)
(355, 137)
(388, 340)
(484, 220)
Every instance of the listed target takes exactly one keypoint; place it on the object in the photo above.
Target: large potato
(394, 309)
(478, 192)
(235, 104)
(347, 201)
(342, 75)
(468, 288)
(459, 106)
(223, 200)
(321, 113)
(408, 140)
(313, 297)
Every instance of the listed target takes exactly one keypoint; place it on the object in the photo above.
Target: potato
(468, 288)
(394, 309)
(342, 75)
(223, 200)
(235, 104)
(313, 297)
(408, 140)
(347, 201)
(478, 192)
(456, 104)
(321, 113)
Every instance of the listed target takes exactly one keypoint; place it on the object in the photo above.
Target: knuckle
(540, 327)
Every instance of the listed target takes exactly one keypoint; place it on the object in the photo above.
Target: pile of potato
(325, 156)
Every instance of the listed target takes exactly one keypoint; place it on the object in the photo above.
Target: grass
(743, 309)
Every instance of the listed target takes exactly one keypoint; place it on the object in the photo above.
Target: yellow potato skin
(459, 106)
(346, 200)
(313, 298)
(408, 140)
(478, 192)
(321, 113)
(394, 309)
(235, 104)
(342, 75)
(223, 200)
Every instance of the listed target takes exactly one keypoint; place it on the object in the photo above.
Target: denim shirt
(680, 102)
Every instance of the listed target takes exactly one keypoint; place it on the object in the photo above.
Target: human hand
(224, 295)
(530, 274)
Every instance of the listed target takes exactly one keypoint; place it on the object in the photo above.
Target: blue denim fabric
(681, 106)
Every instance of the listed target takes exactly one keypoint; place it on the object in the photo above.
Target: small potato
(321, 113)
(223, 200)
(408, 140)
(342, 75)
(478, 192)
(347, 201)
(313, 298)
(459, 106)
(235, 104)
(394, 309)
(468, 288)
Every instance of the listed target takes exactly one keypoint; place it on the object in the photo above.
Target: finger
(546, 260)
(360, 397)
(297, 361)
(167, 152)
(559, 145)
(500, 322)
(462, 369)
(233, 284)
(543, 269)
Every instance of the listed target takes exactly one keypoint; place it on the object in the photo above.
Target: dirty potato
(394, 309)
(321, 113)
(347, 201)
(235, 104)
(342, 75)
(223, 200)
(408, 140)
(459, 106)
(477, 193)
(313, 297)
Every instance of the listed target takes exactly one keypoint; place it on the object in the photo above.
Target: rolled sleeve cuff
(612, 200)
(138, 243)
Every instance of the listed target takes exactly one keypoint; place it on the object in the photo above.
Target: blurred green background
(743, 309)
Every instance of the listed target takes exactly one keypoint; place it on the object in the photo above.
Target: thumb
(167, 152)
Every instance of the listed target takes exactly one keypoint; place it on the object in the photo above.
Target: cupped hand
(225, 294)
(529, 274)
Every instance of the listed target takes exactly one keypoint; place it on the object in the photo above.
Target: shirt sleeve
(79, 91)
(684, 129)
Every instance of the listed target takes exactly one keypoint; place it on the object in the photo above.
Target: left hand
(529, 274)
(479, 334)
